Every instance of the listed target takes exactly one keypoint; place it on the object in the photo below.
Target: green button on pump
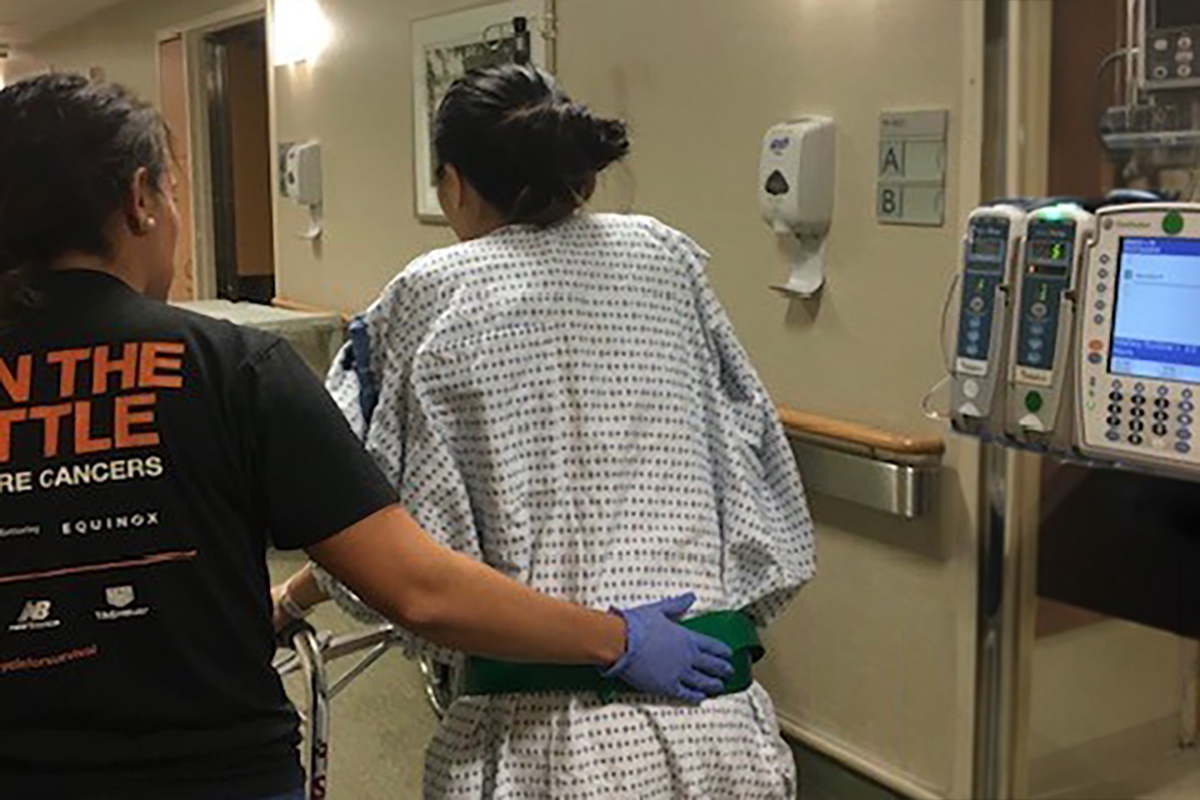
(1034, 402)
(1173, 223)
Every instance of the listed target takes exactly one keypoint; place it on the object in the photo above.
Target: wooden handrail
(288, 304)
(805, 423)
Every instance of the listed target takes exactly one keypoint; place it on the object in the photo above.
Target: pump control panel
(993, 239)
(1044, 325)
(1139, 353)
(1170, 44)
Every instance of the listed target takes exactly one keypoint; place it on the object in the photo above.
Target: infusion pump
(1041, 371)
(1079, 333)
(1138, 358)
(994, 235)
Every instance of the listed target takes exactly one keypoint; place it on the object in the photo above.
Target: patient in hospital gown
(568, 403)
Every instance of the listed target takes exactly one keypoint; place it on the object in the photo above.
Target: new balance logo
(36, 611)
(35, 616)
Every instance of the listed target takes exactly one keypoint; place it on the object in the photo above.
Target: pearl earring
(151, 223)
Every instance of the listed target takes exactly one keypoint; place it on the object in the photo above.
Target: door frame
(193, 34)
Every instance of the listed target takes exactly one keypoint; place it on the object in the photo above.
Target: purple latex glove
(665, 658)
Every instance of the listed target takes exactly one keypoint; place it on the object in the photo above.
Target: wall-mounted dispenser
(795, 195)
(300, 181)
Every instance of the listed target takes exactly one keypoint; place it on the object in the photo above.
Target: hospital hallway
(874, 324)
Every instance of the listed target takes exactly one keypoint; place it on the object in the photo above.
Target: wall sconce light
(302, 31)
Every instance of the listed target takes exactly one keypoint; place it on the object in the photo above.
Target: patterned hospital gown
(571, 406)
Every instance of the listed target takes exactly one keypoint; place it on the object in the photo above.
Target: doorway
(237, 107)
(1111, 664)
(172, 81)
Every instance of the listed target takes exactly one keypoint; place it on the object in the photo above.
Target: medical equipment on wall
(300, 178)
(1170, 40)
(795, 195)
(1139, 354)
(1154, 124)
(979, 372)
(1103, 355)
(1043, 327)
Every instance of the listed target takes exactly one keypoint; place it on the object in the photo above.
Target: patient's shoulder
(678, 246)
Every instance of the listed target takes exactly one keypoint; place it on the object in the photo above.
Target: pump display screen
(1156, 327)
(1176, 13)
(1045, 250)
(989, 245)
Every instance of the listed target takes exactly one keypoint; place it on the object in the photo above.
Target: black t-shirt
(147, 457)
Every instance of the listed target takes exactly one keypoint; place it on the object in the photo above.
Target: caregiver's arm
(455, 601)
(395, 567)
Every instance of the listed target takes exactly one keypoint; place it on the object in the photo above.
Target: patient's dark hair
(526, 148)
(69, 149)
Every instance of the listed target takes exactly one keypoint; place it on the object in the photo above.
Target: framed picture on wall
(446, 47)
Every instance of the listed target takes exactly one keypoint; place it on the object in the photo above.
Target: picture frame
(445, 48)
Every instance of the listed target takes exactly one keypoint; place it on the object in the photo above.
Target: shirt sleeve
(312, 477)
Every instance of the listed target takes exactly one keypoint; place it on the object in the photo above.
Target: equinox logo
(124, 522)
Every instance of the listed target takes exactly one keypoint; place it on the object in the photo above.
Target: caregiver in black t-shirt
(148, 455)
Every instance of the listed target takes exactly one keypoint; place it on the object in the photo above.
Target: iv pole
(1007, 538)
(987, 783)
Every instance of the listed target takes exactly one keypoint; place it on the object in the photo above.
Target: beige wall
(357, 101)
(877, 656)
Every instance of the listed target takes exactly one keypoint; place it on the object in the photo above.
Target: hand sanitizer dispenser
(302, 173)
(795, 195)
(301, 178)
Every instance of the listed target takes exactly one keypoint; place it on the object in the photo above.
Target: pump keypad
(1152, 418)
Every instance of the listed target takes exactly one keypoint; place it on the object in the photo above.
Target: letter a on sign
(892, 162)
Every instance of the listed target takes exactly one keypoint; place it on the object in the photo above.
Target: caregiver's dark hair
(69, 150)
(523, 144)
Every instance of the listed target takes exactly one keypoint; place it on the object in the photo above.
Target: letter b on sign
(891, 202)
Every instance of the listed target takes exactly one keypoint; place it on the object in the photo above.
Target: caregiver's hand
(662, 657)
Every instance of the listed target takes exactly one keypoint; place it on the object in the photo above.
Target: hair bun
(521, 142)
(591, 143)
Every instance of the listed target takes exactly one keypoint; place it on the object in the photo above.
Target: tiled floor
(1185, 788)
